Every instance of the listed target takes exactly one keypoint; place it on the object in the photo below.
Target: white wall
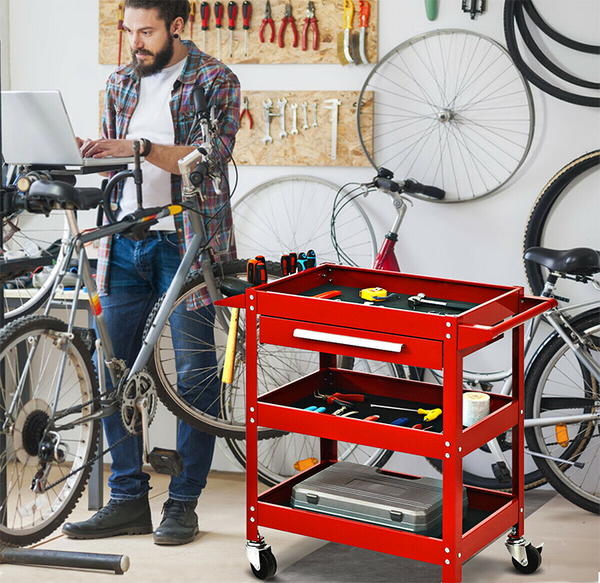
(54, 45)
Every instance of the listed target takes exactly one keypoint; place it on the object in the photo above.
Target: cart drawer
(351, 342)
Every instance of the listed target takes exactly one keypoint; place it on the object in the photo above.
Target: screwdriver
(232, 13)
(192, 18)
(218, 25)
(430, 414)
(246, 12)
(204, 16)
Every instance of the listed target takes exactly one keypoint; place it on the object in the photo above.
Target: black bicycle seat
(46, 195)
(578, 261)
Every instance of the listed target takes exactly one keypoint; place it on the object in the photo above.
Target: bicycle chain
(88, 463)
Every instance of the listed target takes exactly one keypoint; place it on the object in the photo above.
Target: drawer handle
(348, 340)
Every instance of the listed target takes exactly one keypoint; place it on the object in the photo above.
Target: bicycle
(280, 457)
(575, 340)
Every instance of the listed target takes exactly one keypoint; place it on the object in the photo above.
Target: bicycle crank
(138, 400)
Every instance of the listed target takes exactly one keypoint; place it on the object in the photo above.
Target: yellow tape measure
(373, 294)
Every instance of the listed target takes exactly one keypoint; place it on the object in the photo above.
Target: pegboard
(329, 15)
(309, 147)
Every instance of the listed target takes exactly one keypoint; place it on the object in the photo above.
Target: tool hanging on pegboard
(310, 23)
(192, 18)
(204, 18)
(121, 14)
(246, 13)
(246, 112)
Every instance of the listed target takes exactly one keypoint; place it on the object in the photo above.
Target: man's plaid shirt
(222, 90)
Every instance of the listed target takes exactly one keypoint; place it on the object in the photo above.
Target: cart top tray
(495, 309)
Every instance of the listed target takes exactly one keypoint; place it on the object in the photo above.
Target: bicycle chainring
(138, 386)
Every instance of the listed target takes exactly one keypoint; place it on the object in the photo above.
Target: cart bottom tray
(488, 515)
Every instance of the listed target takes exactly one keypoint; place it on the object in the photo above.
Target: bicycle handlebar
(385, 181)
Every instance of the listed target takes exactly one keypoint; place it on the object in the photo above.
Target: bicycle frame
(386, 260)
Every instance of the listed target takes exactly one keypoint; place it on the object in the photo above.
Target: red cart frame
(428, 340)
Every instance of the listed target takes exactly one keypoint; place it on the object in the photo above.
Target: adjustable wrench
(267, 108)
(281, 102)
(304, 105)
(294, 107)
(333, 104)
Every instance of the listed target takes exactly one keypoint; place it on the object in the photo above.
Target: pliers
(267, 20)
(310, 22)
(246, 111)
(288, 18)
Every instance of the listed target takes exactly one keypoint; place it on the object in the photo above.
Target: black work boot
(117, 517)
(179, 525)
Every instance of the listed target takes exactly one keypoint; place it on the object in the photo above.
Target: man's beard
(161, 60)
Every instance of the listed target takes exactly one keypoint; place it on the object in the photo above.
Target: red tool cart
(284, 313)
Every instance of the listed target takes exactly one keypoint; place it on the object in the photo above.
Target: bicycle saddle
(45, 196)
(578, 261)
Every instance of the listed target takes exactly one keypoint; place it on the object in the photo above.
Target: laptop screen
(36, 129)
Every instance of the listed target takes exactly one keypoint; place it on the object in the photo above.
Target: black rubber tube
(510, 8)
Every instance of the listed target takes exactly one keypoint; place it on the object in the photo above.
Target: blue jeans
(140, 272)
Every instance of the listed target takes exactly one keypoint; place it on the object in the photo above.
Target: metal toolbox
(371, 495)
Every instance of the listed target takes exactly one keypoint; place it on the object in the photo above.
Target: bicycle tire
(555, 35)
(544, 60)
(292, 214)
(29, 516)
(555, 365)
(541, 211)
(449, 109)
(29, 298)
(230, 419)
(510, 8)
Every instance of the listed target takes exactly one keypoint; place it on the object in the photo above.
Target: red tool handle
(328, 294)
(192, 11)
(204, 14)
(120, 18)
(218, 14)
(365, 10)
(246, 13)
(344, 397)
(232, 14)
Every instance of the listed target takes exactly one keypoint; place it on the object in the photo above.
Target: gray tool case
(367, 494)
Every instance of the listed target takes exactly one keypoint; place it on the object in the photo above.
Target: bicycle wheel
(479, 467)
(37, 446)
(230, 418)
(450, 109)
(286, 455)
(552, 210)
(559, 386)
(38, 239)
(293, 213)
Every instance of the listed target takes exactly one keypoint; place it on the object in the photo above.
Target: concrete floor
(571, 550)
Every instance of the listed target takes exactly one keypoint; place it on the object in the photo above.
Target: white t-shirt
(152, 119)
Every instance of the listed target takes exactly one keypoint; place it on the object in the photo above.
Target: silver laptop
(36, 130)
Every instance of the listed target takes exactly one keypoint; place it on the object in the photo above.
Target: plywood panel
(329, 14)
(309, 147)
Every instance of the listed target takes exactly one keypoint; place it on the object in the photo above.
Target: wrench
(281, 103)
(414, 301)
(333, 104)
(314, 108)
(267, 107)
(294, 107)
(304, 105)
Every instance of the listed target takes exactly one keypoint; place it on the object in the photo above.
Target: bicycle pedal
(501, 472)
(166, 461)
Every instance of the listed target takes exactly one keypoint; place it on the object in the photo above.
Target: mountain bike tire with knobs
(554, 368)
(542, 209)
(29, 516)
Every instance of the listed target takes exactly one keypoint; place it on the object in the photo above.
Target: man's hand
(105, 148)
